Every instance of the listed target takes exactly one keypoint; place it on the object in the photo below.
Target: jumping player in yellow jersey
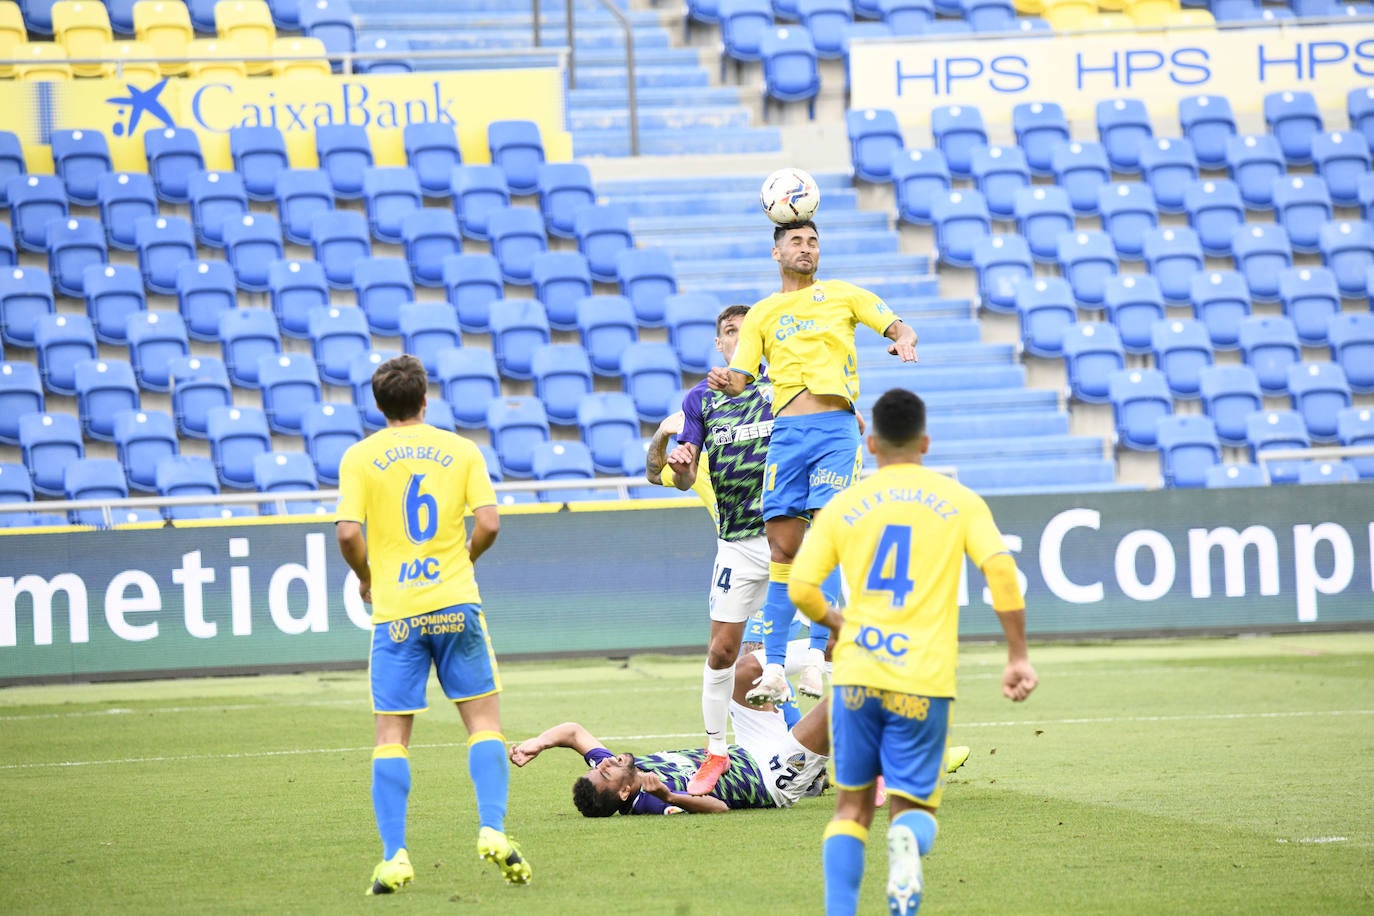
(805, 333)
(411, 485)
(900, 536)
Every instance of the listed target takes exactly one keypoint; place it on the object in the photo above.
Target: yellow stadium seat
(165, 25)
(13, 35)
(83, 27)
(1028, 7)
(1110, 6)
(1151, 12)
(43, 61)
(248, 23)
(128, 54)
(299, 47)
(1191, 17)
(215, 59)
(1069, 15)
(1105, 22)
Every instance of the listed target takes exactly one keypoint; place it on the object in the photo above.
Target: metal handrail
(631, 79)
(1316, 453)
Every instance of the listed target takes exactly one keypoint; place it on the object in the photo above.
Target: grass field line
(670, 736)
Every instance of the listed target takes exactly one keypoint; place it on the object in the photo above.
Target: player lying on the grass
(771, 766)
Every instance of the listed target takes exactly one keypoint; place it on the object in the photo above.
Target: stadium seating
(1124, 129)
(1081, 169)
(1347, 249)
(1351, 338)
(1293, 119)
(295, 58)
(1215, 211)
(1318, 472)
(73, 245)
(213, 60)
(1128, 211)
(691, 322)
(1188, 448)
(607, 420)
(1092, 352)
(1182, 350)
(155, 339)
(1229, 395)
(439, 414)
(130, 57)
(1174, 255)
(957, 130)
(431, 149)
(1046, 309)
(516, 426)
(1302, 205)
(651, 375)
(603, 232)
(142, 439)
(1001, 262)
(15, 484)
(124, 198)
(390, 194)
(382, 286)
(1087, 260)
(430, 235)
(1262, 252)
(62, 342)
(21, 392)
(647, 279)
(564, 188)
(874, 139)
(560, 279)
(173, 156)
(1000, 172)
(328, 431)
(1236, 475)
(1319, 392)
(1310, 300)
(518, 328)
(216, 197)
(1276, 429)
(259, 156)
(360, 372)
(26, 295)
(252, 244)
(1039, 128)
(12, 162)
(43, 62)
(296, 287)
(518, 149)
(562, 378)
(248, 24)
(8, 254)
(791, 67)
(478, 191)
(1134, 303)
(301, 194)
(79, 158)
(427, 330)
(1254, 162)
(198, 384)
(1170, 167)
(742, 26)
(1341, 158)
(607, 327)
(1355, 427)
(13, 37)
(237, 435)
(340, 241)
(187, 475)
(35, 201)
(205, 290)
(1043, 213)
(1207, 122)
(290, 383)
(337, 335)
(345, 153)
(292, 472)
(93, 478)
(469, 380)
(919, 176)
(331, 21)
(472, 283)
(48, 443)
(961, 219)
(1270, 345)
(103, 388)
(246, 335)
(1221, 301)
(565, 460)
(163, 242)
(1139, 397)
(517, 236)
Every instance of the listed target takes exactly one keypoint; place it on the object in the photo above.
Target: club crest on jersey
(398, 630)
(818, 295)
(796, 761)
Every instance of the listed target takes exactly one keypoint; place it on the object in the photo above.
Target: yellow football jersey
(807, 339)
(701, 487)
(412, 486)
(900, 537)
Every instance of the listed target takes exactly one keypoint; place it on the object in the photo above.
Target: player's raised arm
(903, 337)
(565, 734)
(1019, 678)
(656, 458)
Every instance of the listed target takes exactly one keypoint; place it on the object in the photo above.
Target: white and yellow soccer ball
(789, 196)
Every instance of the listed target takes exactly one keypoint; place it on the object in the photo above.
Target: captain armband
(1000, 570)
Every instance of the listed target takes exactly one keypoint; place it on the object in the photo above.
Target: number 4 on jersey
(892, 564)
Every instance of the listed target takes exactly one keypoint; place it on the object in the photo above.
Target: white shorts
(788, 768)
(739, 579)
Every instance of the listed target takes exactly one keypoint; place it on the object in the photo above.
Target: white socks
(716, 688)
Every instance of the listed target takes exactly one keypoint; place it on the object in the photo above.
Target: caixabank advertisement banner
(383, 105)
(216, 597)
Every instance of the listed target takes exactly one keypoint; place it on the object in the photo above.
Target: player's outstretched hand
(718, 378)
(906, 351)
(671, 425)
(681, 459)
(524, 752)
(653, 785)
(1018, 680)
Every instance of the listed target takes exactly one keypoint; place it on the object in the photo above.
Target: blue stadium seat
(331, 21)
(9, 255)
(345, 153)
(25, 296)
(432, 150)
(93, 478)
(74, 244)
(990, 15)
(48, 443)
(1092, 352)
(1355, 426)
(1359, 106)
(1215, 210)
(1229, 395)
(562, 378)
(1254, 162)
(337, 335)
(15, 484)
(469, 380)
(124, 198)
(1128, 211)
(607, 421)
(517, 235)
(247, 335)
(791, 68)
(252, 244)
(173, 156)
(142, 439)
(1000, 172)
(961, 219)
(1140, 397)
(874, 139)
(285, 472)
(478, 192)
(607, 327)
(1351, 336)
(295, 287)
(516, 426)
(290, 383)
(560, 279)
(919, 176)
(493, 462)
(35, 201)
(103, 388)
(957, 130)
(742, 24)
(1170, 167)
(12, 162)
(564, 460)
(1270, 345)
(518, 328)
(1043, 214)
(286, 14)
(1294, 119)
(1310, 299)
(198, 383)
(1262, 253)
(382, 286)
(427, 330)
(393, 44)
(1046, 309)
(1001, 262)
(439, 414)
(1269, 430)
(1208, 123)
(827, 21)
(691, 322)
(1124, 129)
(259, 155)
(1182, 350)
(205, 289)
(360, 372)
(1188, 448)
(1341, 158)
(1087, 259)
(237, 435)
(564, 188)
(21, 392)
(1347, 248)
(62, 342)
(1039, 128)
(651, 375)
(1174, 255)
(647, 279)
(1221, 301)
(79, 158)
(1319, 392)
(1081, 168)
(472, 283)
(517, 147)
(1318, 472)
(328, 431)
(187, 475)
(430, 235)
(390, 193)
(340, 241)
(301, 194)
(163, 242)
(1134, 303)
(603, 232)
(216, 198)
(1302, 205)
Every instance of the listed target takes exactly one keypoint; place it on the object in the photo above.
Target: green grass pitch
(1198, 776)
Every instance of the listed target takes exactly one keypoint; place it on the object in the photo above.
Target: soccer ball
(789, 196)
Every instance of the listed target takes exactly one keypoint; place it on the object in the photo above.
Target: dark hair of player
(785, 228)
(399, 385)
(899, 417)
(730, 311)
(591, 802)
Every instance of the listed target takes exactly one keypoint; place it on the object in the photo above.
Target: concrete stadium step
(919, 307)
(751, 290)
(1038, 476)
(700, 142)
(589, 60)
(1007, 448)
(612, 77)
(863, 270)
(939, 378)
(706, 204)
(946, 330)
(758, 244)
(992, 399)
(676, 97)
(455, 16)
(546, 7)
(977, 353)
(719, 117)
(646, 228)
(647, 41)
(944, 425)
(720, 184)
